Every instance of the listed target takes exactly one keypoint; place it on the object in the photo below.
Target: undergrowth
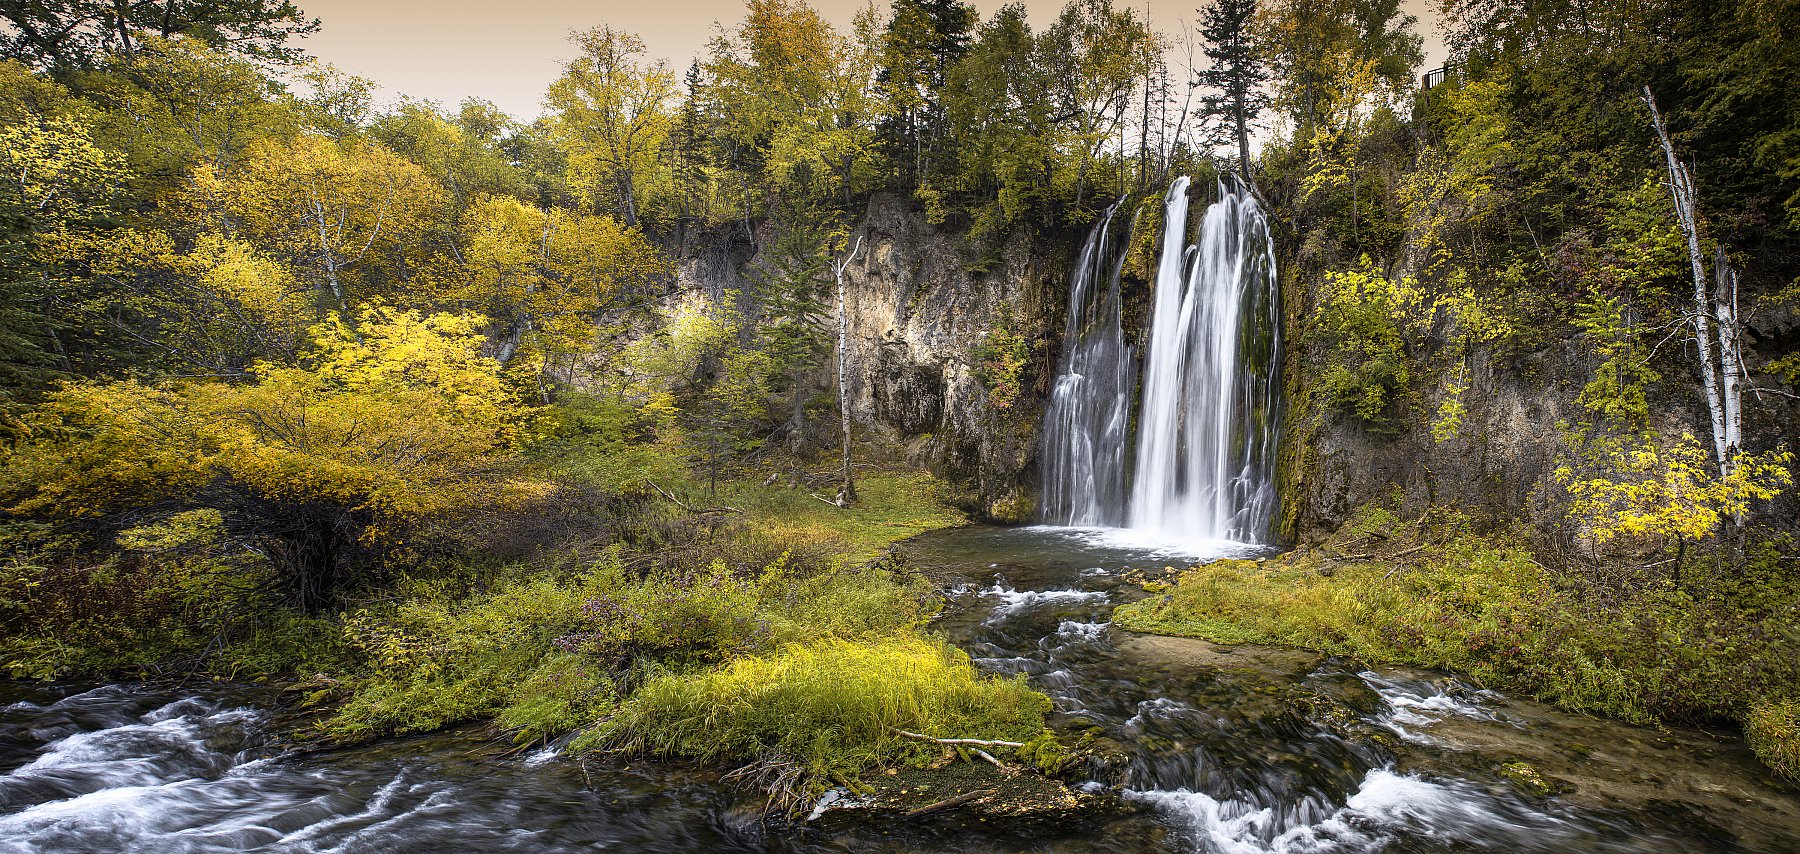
(549, 654)
(1436, 593)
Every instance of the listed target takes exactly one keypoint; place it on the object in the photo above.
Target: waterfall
(1209, 416)
(1086, 426)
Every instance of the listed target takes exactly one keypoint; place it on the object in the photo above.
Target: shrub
(160, 604)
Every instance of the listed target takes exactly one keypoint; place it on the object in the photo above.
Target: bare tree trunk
(1731, 354)
(1681, 188)
(847, 493)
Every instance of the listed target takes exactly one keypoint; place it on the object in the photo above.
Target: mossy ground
(1436, 593)
(890, 507)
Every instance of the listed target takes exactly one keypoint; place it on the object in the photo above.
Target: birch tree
(615, 111)
(1714, 312)
(847, 493)
(323, 204)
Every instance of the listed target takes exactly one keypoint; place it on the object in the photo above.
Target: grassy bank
(1436, 593)
(749, 625)
(889, 508)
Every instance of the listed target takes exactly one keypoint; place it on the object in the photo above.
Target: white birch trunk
(1731, 354)
(1681, 188)
(846, 493)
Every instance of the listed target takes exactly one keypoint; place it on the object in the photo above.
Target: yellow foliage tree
(614, 112)
(1639, 489)
(321, 203)
(544, 276)
(384, 427)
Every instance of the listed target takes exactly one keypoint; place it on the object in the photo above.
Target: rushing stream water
(1221, 757)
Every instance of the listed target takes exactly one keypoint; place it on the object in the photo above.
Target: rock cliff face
(1499, 465)
(922, 301)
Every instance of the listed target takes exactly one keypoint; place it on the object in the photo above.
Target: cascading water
(1206, 438)
(1085, 428)
(1208, 421)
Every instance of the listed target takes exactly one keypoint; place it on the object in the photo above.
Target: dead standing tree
(846, 493)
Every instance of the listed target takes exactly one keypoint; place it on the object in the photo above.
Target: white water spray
(1086, 429)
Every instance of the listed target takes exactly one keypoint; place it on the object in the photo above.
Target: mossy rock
(1773, 730)
(971, 794)
(1527, 780)
(1013, 508)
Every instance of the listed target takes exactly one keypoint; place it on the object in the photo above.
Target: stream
(1227, 749)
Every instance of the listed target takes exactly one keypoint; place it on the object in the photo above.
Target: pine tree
(1235, 76)
(923, 39)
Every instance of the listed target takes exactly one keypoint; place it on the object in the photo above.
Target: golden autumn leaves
(394, 419)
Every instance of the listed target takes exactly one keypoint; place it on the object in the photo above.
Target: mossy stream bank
(1178, 745)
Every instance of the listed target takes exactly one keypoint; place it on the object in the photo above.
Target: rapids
(1225, 749)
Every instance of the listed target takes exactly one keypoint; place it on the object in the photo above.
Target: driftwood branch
(949, 802)
(954, 741)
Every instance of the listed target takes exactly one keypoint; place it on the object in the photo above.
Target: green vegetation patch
(546, 655)
(889, 508)
(1440, 595)
(1773, 730)
(829, 708)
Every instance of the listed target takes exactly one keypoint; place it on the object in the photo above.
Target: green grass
(545, 655)
(889, 508)
(1773, 730)
(1483, 606)
(829, 707)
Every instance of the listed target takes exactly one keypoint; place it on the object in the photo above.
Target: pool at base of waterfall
(1210, 749)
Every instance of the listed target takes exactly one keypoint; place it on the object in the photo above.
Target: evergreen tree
(791, 292)
(923, 40)
(1235, 76)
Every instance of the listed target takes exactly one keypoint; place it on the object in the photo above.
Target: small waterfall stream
(1086, 426)
(1209, 418)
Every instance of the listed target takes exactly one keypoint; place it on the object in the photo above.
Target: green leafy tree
(614, 113)
(66, 34)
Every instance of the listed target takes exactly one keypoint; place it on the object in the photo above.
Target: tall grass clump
(1773, 730)
(831, 708)
(552, 652)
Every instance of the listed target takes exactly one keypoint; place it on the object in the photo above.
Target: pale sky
(508, 52)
